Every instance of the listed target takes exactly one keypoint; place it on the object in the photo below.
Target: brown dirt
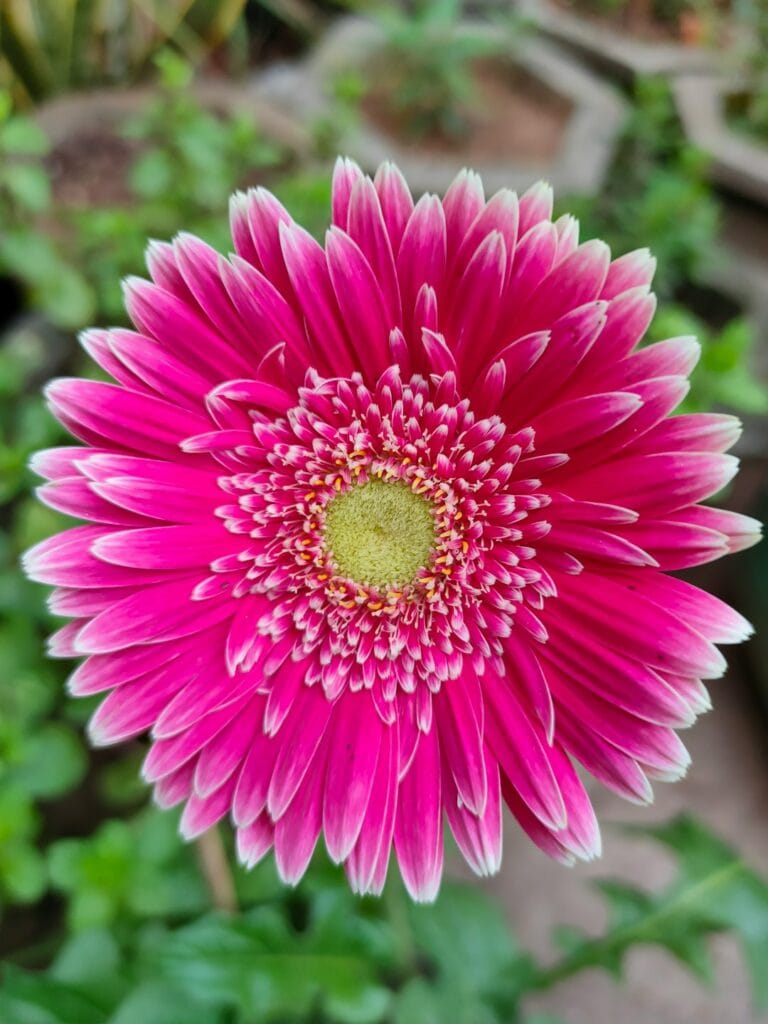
(689, 28)
(512, 115)
(91, 167)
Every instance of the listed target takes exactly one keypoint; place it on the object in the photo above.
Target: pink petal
(353, 752)
(520, 752)
(418, 824)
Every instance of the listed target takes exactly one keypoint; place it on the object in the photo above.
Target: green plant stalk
(605, 949)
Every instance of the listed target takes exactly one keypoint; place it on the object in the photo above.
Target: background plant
(427, 65)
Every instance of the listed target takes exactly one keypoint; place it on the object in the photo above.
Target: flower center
(380, 534)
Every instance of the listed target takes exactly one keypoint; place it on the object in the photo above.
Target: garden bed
(538, 114)
(626, 48)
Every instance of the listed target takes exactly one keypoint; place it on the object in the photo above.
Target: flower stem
(214, 865)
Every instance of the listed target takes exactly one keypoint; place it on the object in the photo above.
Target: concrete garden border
(737, 162)
(617, 53)
(579, 167)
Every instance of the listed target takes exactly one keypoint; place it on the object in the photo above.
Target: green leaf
(27, 998)
(258, 964)
(54, 761)
(22, 136)
(714, 891)
(152, 174)
(28, 185)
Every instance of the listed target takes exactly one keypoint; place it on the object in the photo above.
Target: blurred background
(123, 120)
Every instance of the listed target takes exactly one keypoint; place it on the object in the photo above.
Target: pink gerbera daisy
(381, 530)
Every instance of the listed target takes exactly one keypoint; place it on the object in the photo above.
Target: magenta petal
(201, 813)
(254, 840)
(366, 865)
(301, 735)
(360, 300)
(396, 202)
(253, 781)
(224, 754)
(298, 827)
(167, 547)
(521, 753)
(106, 412)
(167, 755)
(165, 611)
(353, 752)
(477, 836)
(631, 624)
(460, 716)
(346, 174)
(418, 824)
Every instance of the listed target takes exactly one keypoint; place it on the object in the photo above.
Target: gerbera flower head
(379, 532)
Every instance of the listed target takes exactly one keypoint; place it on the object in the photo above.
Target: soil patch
(511, 115)
(91, 168)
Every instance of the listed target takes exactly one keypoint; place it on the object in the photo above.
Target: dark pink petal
(695, 432)
(396, 202)
(478, 837)
(168, 755)
(76, 497)
(298, 827)
(521, 752)
(346, 174)
(462, 202)
(366, 864)
(309, 276)
(104, 671)
(422, 253)
(132, 708)
(254, 840)
(253, 781)
(201, 813)
(704, 612)
(460, 719)
(266, 218)
(677, 545)
(631, 624)
(167, 547)
(576, 280)
(366, 227)
(611, 766)
(535, 206)
(740, 531)
(629, 271)
(174, 788)
(353, 753)
(360, 301)
(157, 370)
(199, 266)
(165, 611)
(301, 735)
(163, 316)
(418, 823)
(656, 484)
(224, 754)
(65, 560)
(127, 419)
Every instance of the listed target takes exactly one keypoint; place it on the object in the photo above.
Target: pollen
(380, 534)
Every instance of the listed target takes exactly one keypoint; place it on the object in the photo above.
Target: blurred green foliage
(143, 947)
